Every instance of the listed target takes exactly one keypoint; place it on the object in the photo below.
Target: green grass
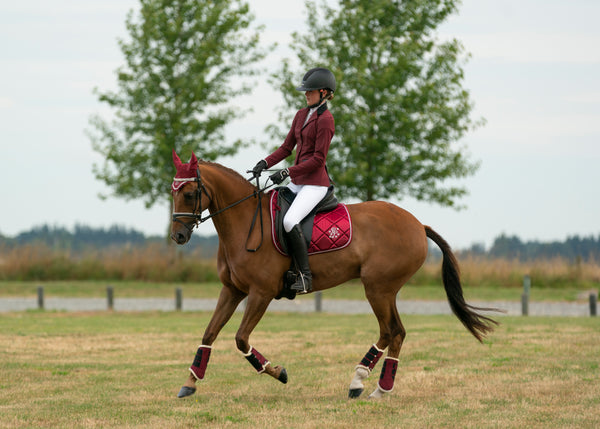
(352, 290)
(124, 370)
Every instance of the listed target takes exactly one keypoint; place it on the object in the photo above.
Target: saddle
(326, 228)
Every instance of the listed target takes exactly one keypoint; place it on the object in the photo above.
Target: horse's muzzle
(180, 237)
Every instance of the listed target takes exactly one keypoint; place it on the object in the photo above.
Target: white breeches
(307, 197)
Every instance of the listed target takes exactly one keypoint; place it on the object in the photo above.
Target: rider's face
(312, 97)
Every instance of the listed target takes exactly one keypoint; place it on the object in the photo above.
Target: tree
(184, 61)
(399, 106)
(507, 247)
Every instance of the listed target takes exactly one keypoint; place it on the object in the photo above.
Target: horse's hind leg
(391, 334)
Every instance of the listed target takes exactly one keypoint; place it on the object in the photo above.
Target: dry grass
(156, 263)
(124, 370)
(150, 263)
(479, 271)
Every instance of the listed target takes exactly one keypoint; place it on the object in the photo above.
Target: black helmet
(317, 78)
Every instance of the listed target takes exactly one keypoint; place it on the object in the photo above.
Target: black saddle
(285, 197)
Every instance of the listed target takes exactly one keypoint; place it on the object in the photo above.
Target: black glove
(280, 176)
(259, 167)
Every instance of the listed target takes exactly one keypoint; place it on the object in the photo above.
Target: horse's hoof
(186, 391)
(355, 393)
(283, 376)
(377, 393)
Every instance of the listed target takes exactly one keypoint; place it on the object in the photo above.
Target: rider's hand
(259, 167)
(280, 176)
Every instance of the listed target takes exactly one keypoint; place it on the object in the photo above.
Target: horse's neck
(227, 185)
(226, 189)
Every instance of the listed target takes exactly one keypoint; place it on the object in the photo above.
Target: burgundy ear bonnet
(185, 172)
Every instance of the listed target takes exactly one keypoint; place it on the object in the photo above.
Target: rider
(311, 133)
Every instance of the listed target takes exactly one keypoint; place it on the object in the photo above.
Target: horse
(388, 246)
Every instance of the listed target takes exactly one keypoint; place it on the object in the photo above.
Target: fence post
(110, 297)
(593, 304)
(525, 296)
(318, 301)
(178, 299)
(40, 297)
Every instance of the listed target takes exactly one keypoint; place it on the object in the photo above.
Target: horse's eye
(189, 196)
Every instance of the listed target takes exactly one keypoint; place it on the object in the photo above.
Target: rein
(198, 218)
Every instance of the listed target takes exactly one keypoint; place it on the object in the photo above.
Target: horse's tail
(477, 324)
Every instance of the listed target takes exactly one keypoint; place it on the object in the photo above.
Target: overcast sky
(534, 76)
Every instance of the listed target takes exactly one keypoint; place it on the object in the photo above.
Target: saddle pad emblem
(331, 230)
(334, 232)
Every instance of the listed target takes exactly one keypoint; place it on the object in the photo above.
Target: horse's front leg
(255, 309)
(229, 300)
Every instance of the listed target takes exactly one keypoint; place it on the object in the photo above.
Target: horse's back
(388, 233)
(386, 217)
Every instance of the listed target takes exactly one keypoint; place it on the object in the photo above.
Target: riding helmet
(317, 78)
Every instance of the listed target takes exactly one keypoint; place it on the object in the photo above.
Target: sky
(534, 76)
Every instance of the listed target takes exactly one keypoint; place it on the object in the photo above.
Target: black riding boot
(297, 244)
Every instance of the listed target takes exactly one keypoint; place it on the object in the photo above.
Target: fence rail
(112, 303)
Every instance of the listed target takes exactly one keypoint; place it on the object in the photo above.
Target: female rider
(311, 133)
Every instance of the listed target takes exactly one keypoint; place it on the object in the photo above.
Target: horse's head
(190, 199)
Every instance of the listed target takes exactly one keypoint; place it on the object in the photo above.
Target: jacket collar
(320, 109)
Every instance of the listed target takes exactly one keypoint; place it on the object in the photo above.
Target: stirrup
(303, 284)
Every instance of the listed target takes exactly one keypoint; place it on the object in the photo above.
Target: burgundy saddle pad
(331, 230)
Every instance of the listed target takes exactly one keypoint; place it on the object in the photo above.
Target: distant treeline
(83, 238)
(573, 249)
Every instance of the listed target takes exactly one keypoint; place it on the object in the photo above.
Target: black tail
(477, 324)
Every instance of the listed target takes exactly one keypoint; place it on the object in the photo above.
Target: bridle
(196, 213)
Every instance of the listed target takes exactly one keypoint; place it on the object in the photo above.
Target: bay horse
(388, 246)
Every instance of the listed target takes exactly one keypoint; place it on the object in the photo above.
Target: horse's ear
(194, 161)
(176, 159)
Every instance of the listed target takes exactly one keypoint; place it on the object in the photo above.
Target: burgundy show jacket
(312, 144)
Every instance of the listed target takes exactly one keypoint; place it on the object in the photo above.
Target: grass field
(124, 370)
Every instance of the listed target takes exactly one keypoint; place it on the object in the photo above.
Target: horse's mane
(230, 172)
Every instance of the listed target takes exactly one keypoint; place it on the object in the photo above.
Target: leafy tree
(184, 61)
(399, 107)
